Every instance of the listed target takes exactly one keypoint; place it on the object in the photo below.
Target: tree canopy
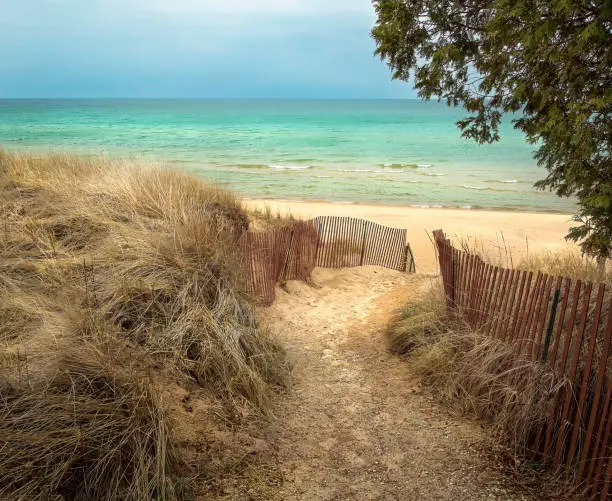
(548, 61)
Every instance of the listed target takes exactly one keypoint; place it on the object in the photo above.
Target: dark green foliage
(548, 61)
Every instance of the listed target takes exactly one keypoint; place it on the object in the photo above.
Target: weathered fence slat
(500, 304)
(552, 358)
(490, 295)
(587, 373)
(488, 274)
(474, 289)
(541, 324)
(521, 307)
(330, 241)
(597, 396)
(461, 276)
(562, 324)
(532, 328)
(565, 423)
(526, 324)
(510, 304)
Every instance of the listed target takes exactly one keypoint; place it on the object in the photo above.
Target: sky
(191, 48)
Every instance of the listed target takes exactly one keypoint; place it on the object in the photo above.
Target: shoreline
(510, 210)
(496, 230)
(461, 200)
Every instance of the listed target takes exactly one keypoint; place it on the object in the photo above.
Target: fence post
(453, 304)
(320, 232)
(365, 232)
(551, 324)
(288, 253)
(408, 254)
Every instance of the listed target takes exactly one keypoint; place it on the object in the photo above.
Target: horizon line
(125, 98)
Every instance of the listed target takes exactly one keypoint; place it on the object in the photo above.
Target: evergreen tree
(549, 61)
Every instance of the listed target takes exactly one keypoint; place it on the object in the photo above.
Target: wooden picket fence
(288, 253)
(564, 324)
(346, 242)
(292, 252)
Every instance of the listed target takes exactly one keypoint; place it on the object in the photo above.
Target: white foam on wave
(434, 174)
(323, 177)
(389, 171)
(290, 167)
(469, 187)
(355, 170)
(508, 181)
(424, 166)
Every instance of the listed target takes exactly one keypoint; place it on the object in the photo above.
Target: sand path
(355, 425)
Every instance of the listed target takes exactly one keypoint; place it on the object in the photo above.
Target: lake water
(387, 152)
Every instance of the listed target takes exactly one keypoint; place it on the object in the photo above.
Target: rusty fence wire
(564, 324)
(292, 252)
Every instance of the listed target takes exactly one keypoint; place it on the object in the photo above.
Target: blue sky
(191, 48)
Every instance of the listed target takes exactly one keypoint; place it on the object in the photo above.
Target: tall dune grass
(96, 251)
(478, 375)
(92, 429)
(566, 261)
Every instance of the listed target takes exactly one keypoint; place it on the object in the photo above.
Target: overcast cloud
(191, 48)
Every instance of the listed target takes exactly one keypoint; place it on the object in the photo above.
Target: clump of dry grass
(474, 373)
(96, 251)
(417, 324)
(267, 220)
(480, 375)
(93, 429)
(567, 262)
(152, 251)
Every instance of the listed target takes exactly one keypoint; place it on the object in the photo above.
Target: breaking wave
(290, 167)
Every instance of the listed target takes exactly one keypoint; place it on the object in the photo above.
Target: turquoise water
(388, 152)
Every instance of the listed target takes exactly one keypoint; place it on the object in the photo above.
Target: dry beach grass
(118, 284)
(479, 375)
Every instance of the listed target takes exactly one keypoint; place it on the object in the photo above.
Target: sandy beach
(523, 232)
